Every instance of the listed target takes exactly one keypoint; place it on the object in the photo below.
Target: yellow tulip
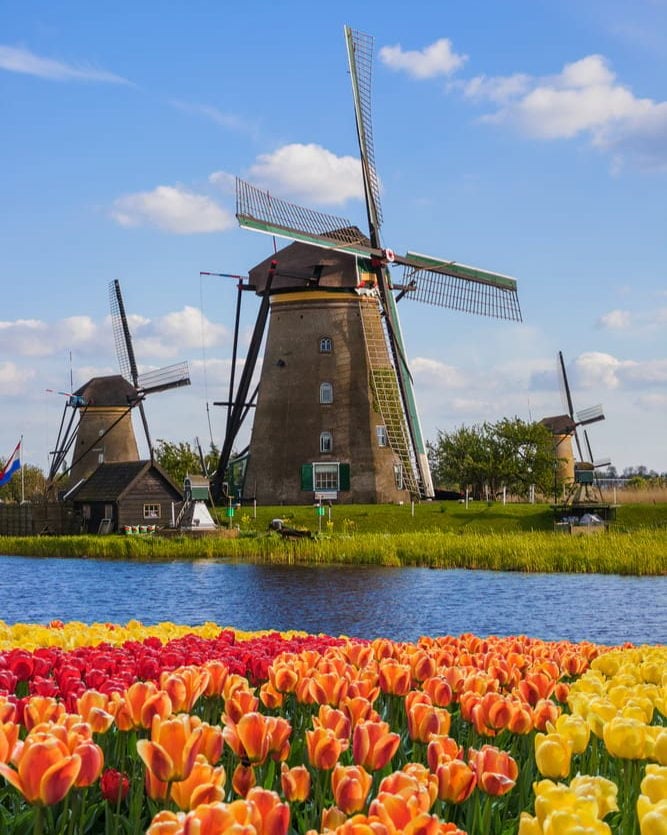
(574, 728)
(604, 791)
(654, 783)
(625, 738)
(553, 754)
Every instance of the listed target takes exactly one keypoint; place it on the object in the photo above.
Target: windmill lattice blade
(257, 209)
(360, 53)
(161, 379)
(590, 415)
(464, 294)
(121, 336)
(565, 387)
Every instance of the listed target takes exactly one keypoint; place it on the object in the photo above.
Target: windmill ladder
(384, 385)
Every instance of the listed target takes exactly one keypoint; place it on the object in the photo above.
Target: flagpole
(22, 477)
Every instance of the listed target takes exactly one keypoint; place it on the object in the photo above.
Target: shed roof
(110, 482)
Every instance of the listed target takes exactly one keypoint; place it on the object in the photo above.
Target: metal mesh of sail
(362, 57)
(463, 294)
(161, 379)
(254, 204)
(119, 336)
(590, 415)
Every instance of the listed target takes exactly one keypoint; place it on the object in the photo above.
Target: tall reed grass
(640, 553)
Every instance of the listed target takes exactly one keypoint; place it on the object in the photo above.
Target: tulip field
(179, 730)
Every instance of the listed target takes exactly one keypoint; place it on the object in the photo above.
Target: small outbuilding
(131, 495)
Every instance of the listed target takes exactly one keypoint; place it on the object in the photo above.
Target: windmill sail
(160, 379)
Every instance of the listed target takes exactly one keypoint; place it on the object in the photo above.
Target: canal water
(364, 602)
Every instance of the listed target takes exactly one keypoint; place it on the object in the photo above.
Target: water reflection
(400, 603)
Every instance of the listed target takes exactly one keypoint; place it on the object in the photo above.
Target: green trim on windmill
(428, 262)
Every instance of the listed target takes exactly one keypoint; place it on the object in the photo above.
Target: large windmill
(576, 474)
(335, 407)
(99, 426)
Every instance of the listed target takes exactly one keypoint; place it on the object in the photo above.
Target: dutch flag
(13, 465)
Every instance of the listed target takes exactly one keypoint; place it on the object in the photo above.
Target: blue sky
(529, 137)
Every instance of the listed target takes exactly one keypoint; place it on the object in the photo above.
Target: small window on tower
(326, 442)
(326, 345)
(381, 433)
(326, 393)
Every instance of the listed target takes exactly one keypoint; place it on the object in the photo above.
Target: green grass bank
(447, 535)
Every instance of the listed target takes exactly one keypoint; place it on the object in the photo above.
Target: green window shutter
(344, 476)
(306, 476)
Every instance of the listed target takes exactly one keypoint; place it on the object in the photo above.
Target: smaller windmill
(103, 406)
(576, 474)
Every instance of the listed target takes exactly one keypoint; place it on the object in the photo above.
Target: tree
(489, 456)
(29, 480)
(181, 459)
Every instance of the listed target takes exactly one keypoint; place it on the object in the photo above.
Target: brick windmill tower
(335, 412)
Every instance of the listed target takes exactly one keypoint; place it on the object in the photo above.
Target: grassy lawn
(478, 517)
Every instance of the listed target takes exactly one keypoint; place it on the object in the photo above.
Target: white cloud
(229, 121)
(224, 181)
(584, 99)
(436, 59)
(615, 320)
(310, 173)
(20, 60)
(172, 335)
(13, 378)
(172, 209)
(437, 374)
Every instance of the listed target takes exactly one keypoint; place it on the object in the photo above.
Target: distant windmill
(103, 406)
(576, 474)
(336, 415)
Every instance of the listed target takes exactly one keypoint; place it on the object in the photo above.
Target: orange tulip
(9, 734)
(138, 705)
(243, 779)
(274, 814)
(204, 785)
(333, 819)
(41, 709)
(439, 690)
(212, 742)
(249, 738)
(238, 704)
(456, 781)
(217, 675)
(396, 811)
(335, 720)
(359, 655)
(350, 785)
(424, 777)
(543, 712)
(536, 686)
(46, 771)
(279, 734)
(366, 687)
(441, 748)
(521, 718)
(171, 752)
(394, 678)
(7, 710)
(358, 709)
(283, 677)
(374, 745)
(270, 697)
(295, 782)
(496, 771)
(232, 683)
(491, 714)
(327, 688)
(93, 708)
(184, 686)
(323, 747)
(92, 762)
(425, 720)
(166, 823)
(423, 665)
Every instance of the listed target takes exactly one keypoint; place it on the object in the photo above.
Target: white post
(173, 516)
(22, 471)
(412, 508)
(467, 493)
(504, 495)
(254, 508)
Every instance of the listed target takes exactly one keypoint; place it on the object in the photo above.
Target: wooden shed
(126, 494)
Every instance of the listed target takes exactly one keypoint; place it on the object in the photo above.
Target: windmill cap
(112, 390)
(299, 263)
(559, 424)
